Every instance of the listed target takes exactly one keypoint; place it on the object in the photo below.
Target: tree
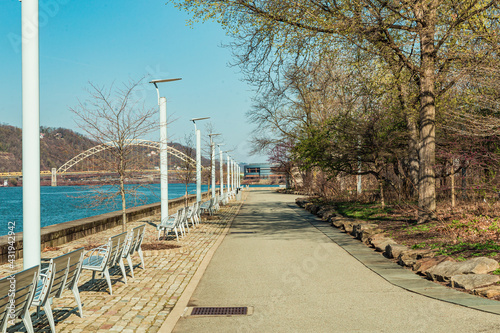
(432, 42)
(187, 169)
(112, 116)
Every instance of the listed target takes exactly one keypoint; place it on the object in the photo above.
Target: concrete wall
(62, 233)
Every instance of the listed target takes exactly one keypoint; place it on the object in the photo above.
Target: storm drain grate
(219, 311)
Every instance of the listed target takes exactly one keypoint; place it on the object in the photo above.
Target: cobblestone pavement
(143, 304)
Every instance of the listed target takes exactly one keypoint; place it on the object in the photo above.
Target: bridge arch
(108, 145)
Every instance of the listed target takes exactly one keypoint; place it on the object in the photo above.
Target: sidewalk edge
(183, 301)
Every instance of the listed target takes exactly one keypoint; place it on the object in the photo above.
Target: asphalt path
(295, 279)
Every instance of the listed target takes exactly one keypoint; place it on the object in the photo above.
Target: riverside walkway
(277, 260)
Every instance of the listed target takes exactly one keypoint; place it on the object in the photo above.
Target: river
(66, 203)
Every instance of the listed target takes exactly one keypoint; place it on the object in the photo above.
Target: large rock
(425, 263)
(364, 231)
(472, 281)
(348, 226)
(327, 215)
(394, 250)
(380, 242)
(490, 291)
(445, 270)
(301, 202)
(314, 209)
(409, 258)
(338, 222)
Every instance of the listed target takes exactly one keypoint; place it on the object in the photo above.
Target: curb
(180, 306)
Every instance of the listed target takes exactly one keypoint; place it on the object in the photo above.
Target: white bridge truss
(109, 145)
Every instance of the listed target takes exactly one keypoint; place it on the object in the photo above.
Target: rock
(301, 202)
(425, 263)
(364, 231)
(472, 281)
(349, 226)
(338, 222)
(409, 258)
(308, 206)
(490, 291)
(314, 209)
(445, 270)
(327, 215)
(394, 250)
(381, 243)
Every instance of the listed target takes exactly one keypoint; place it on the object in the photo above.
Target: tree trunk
(382, 199)
(427, 147)
(452, 185)
(412, 157)
(124, 203)
(122, 192)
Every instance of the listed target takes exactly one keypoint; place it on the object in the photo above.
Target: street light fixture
(162, 102)
(212, 147)
(198, 157)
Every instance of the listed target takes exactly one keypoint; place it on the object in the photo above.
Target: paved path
(298, 280)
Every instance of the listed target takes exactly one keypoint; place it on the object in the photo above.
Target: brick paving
(143, 304)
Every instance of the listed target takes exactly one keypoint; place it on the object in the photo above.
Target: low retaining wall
(62, 233)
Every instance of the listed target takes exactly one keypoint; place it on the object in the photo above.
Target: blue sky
(107, 42)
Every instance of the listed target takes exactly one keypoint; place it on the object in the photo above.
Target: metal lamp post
(198, 157)
(162, 102)
(221, 162)
(31, 133)
(228, 173)
(212, 147)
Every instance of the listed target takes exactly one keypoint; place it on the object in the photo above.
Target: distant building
(261, 173)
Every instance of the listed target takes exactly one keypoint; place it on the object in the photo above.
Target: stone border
(397, 275)
(471, 275)
(57, 234)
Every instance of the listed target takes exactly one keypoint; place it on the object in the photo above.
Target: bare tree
(113, 116)
(187, 169)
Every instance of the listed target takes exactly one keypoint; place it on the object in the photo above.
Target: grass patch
(363, 211)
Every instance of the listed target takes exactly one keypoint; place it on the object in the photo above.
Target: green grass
(363, 211)
(489, 248)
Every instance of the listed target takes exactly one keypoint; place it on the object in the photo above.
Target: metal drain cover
(219, 311)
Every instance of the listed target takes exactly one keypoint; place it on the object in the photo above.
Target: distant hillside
(57, 146)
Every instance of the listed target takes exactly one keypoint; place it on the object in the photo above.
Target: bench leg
(76, 293)
(50, 317)
(26, 320)
(122, 268)
(129, 260)
(139, 251)
(108, 280)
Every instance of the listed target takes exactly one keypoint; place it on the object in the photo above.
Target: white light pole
(212, 147)
(221, 162)
(233, 170)
(198, 157)
(31, 133)
(228, 173)
(162, 102)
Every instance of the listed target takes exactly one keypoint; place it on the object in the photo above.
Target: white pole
(163, 159)
(221, 173)
(232, 174)
(198, 164)
(228, 175)
(213, 166)
(31, 133)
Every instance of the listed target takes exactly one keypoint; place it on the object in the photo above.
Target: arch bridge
(109, 145)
